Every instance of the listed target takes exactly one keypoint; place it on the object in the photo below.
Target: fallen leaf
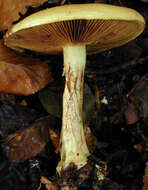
(90, 138)
(139, 97)
(27, 142)
(48, 184)
(10, 10)
(14, 116)
(55, 138)
(20, 74)
(51, 101)
(131, 114)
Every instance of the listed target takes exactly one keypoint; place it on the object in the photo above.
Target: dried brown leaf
(14, 116)
(90, 138)
(10, 10)
(139, 96)
(27, 142)
(20, 74)
(131, 114)
(48, 184)
(55, 139)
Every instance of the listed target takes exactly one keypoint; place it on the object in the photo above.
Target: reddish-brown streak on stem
(68, 79)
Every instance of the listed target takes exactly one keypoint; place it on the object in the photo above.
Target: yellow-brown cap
(99, 26)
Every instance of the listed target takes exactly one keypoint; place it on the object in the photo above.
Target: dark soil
(121, 131)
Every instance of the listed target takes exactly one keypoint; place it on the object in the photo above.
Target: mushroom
(75, 30)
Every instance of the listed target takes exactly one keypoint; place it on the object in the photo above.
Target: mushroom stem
(73, 145)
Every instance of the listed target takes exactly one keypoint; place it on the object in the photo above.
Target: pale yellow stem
(73, 144)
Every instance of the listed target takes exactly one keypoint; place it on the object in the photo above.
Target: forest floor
(116, 88)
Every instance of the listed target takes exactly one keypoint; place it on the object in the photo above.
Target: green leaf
(51, 101)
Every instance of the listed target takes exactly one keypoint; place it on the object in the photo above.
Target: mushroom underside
(97, 35)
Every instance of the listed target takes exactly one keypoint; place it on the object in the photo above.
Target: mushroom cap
(98, 26)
